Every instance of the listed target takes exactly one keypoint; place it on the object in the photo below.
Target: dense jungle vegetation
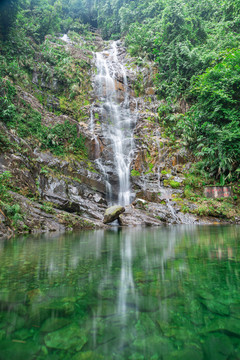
(195, 45)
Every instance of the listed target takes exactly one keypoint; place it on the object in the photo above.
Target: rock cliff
(60, 180)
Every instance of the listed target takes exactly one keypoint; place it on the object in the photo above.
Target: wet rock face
(68, 186)
(146, 213)
(138, 216)
(5, 230)
(158, 166)
(41, 218)
(152, 153)
(114, 119)
(73, 196)
(78, 190)
(113, 213)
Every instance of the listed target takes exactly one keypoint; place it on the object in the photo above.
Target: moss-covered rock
(53, 324)
(112, 213)
(69, 337)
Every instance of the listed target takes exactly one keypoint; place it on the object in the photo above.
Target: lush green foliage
(184, 38)
(11, 209)
(60, 138)
(4, 181)
(212, 126)
(195, 45)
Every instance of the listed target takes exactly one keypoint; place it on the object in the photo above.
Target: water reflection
(169, 293)
(127, 286)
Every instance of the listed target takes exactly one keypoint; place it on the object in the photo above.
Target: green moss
(166, 182)
(150, 167)
(185, 209)
(47, 207)
(178, 199)
(63, 103)
(138, 86)
(174, 184)
(44, 170)
(135, 173)
(71, 222)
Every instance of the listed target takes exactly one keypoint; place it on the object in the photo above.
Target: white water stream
(117, 122)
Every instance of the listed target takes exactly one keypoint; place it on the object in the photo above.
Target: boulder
(136, 217)
(112, 213)
(139, 203)
(69, 337)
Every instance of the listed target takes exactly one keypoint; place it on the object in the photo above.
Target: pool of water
(139, 294)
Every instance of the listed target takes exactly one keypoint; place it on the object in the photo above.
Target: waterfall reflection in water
(122, 294)
(126, 286)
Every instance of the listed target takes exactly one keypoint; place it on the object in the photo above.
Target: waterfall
(65, 38)
(117, 123)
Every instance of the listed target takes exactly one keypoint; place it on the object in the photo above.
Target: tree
(212, 126)
(8, 14)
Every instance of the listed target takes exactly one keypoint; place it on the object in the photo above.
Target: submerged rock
(153, 345)
(112, 213)
(218, 346)
(20, 351)
(188, 353)
(216, 307)
(88, 355)
(68, 337)
(226, 325)
(53, 324)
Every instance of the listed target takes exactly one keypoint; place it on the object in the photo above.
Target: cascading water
(117, 123)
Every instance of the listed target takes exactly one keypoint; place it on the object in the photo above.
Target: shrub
(4, 182)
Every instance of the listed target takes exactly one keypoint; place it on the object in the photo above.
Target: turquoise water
(138, 294)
